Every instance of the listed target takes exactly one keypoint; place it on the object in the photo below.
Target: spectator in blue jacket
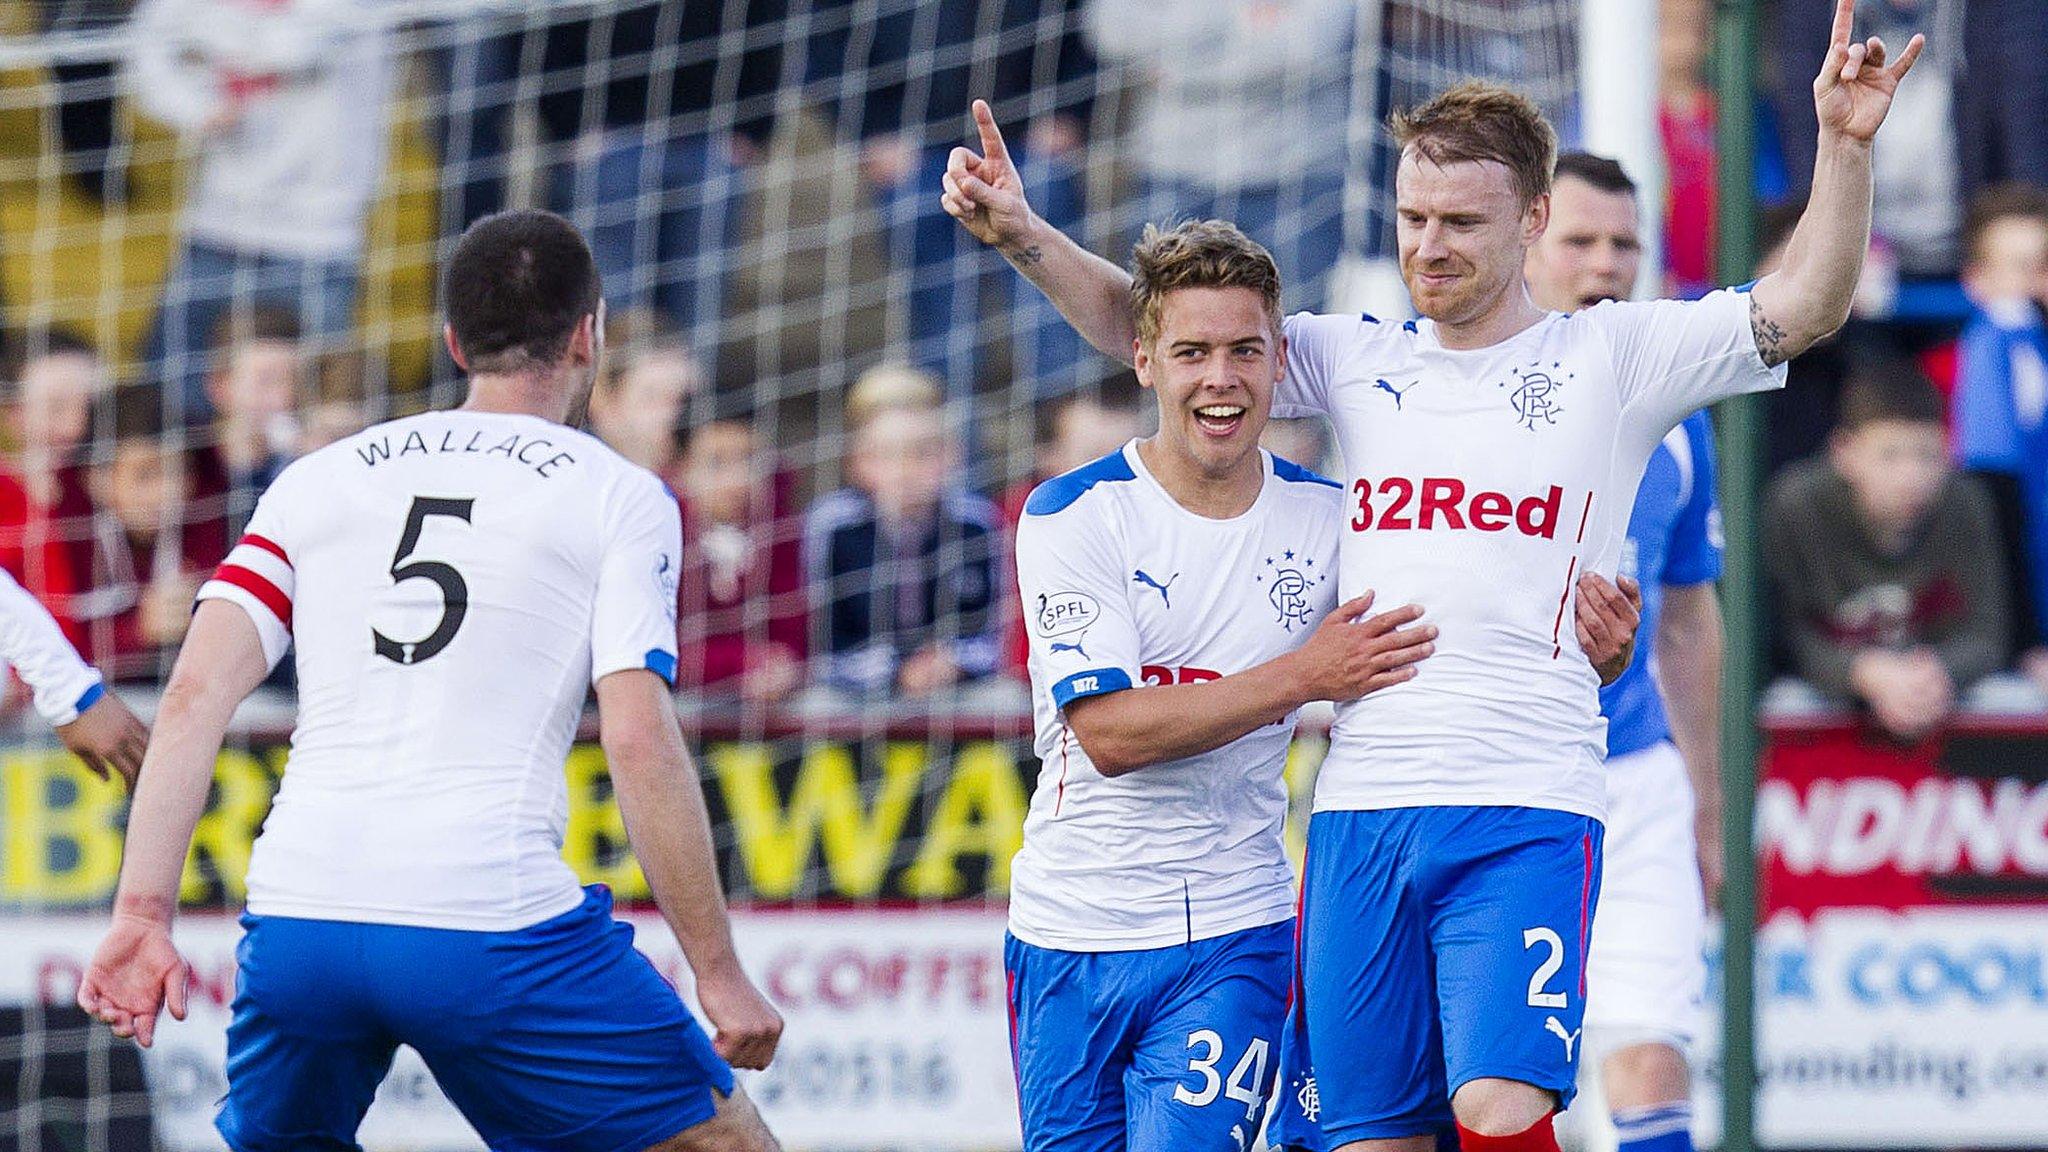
(904, 567)
(2000, 407)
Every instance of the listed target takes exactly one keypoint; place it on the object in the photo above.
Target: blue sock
(1655, 1128)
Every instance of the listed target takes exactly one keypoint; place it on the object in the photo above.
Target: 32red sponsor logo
(1155, 675)
(1398, 504)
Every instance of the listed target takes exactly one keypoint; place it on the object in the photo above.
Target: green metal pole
(1735, 83)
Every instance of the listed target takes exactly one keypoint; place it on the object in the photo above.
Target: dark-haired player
(453, 583)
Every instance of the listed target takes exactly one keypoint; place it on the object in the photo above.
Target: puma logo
(1570, 1039)
(1075, 647)
(1140, 577)
(1396, 393)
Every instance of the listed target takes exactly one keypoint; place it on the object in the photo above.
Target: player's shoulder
(1301, 485)
(1082, 488)
(1345, 328)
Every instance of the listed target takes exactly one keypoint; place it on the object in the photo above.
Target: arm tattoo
(1025, 256)
(1768, 333)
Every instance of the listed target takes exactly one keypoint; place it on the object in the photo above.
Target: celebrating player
(1454, 855)
(69, 694)
(408, 887)
(1151, 905)
(1645, 974)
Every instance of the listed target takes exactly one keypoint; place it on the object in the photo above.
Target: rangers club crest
(1288, 581)
(1536, 395)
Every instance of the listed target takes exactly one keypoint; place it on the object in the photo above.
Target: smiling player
(1454, 856)
(1181, 593)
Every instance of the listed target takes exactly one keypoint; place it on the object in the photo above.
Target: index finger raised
(992, 145)
(1845, 22)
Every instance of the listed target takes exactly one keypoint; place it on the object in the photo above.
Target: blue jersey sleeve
(1987, 431)
(1077, 614)
(1695, 553)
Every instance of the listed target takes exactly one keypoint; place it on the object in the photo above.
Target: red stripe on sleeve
(255, 585)
(267, 545)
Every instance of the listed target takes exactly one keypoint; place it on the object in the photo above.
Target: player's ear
(586, 341)
(1141, 362)
(454, 349)
(1536, 221)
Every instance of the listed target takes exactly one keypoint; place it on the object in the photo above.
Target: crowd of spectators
(1906, 530)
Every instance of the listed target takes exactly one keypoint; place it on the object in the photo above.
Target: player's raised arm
(985, 193)
(136, 970)
(1808, 296)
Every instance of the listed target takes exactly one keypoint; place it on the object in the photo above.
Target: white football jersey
(453, 583)
(1124, 588)
(1481, 484)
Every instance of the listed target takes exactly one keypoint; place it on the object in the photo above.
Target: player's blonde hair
(1476, 121)
(1198, 254)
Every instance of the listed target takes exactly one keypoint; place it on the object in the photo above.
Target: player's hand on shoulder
(1351, 654)
(983, 190)
(745, 1027)
(135, 972)
(108, 736)
(1606, 621)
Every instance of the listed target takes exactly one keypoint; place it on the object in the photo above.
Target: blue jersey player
(1645, 975)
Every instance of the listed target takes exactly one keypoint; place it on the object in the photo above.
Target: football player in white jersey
(1176, 592)
(453, 583)
(69, 694)
(1494, 449)
(1151, 907)
(1645, 973)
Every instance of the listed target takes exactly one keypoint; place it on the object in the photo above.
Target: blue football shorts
(559, 1037)
(1154, 1050)
(1438, 946)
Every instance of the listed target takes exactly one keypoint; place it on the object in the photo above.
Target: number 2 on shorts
(1538, 998)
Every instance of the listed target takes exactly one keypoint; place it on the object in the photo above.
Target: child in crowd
(52, 382)
(158, 532)
(904, 565)
(741, 608)
(2000, 408)
(1887, 564)
(254, 389)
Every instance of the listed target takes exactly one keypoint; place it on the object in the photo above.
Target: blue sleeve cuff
(1080, 685)
(89, 697)
(662, 664)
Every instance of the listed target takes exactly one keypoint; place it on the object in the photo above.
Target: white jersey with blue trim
(1481, 484)
(453, 584)
(1124, 588)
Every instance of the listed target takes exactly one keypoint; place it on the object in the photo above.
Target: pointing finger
(992, 145)
(1845, 21)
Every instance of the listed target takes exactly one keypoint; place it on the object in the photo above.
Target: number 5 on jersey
(454, 590)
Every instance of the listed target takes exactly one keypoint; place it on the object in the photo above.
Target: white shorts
(1645, 968)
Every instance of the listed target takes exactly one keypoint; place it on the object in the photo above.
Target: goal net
(220, 235)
